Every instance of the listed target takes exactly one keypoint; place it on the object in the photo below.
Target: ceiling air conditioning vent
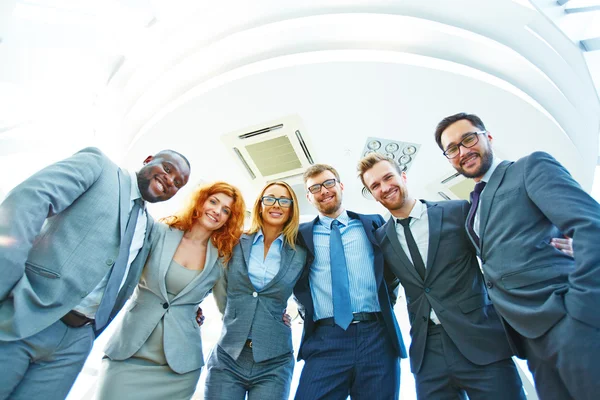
(452, 186)
(275, 150)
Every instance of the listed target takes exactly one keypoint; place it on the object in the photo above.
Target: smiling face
(472, 162)
(215, 211)
(328, 200)
(276, 216)
(387, 186)
(162, 176)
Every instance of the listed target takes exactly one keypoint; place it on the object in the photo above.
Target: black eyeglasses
(283, 201)
(469, 140)
(328, 184)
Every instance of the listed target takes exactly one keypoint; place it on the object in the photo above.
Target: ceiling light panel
(403, 153)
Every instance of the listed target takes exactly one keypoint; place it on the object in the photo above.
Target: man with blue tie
(547, 300)
(74, 242)
(351, 343)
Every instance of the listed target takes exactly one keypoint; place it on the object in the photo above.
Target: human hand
(563, 244)
(199, 317)
(286, 319)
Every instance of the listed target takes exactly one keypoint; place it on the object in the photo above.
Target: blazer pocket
(45, 272)
(473, 303)
(534, 275)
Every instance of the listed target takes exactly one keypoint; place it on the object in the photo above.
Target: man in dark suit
(74, 245)
(458, 346)
(548, 301)
(351, 343)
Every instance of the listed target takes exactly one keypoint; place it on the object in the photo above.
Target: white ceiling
(133, 77)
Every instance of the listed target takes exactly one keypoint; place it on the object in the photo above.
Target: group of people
(484, 280)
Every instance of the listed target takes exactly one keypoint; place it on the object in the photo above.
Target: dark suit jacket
(386, 284)
(533, 285)
(453, 287)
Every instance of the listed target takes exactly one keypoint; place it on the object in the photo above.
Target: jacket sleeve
(43, 195)
(220, 290)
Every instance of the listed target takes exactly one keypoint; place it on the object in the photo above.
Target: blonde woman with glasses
(254, 355)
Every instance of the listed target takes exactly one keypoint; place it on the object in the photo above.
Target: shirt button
(166, 305)
(489, 284)
(427, 290)
(254, 294)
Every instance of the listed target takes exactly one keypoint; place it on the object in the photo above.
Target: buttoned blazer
(387, 284)
(150, 303)
(62, 227)
(258, 313)
(532, 284)
(453, 287)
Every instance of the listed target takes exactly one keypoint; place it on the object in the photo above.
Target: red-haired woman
(156, 351)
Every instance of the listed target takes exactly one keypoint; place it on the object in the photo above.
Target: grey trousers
(230, 379)
(446, 374)
(45, 365)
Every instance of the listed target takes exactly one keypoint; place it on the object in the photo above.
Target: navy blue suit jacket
(387, 284)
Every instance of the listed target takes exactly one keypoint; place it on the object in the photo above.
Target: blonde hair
(290, 229)
(227, 236)
(369, 161)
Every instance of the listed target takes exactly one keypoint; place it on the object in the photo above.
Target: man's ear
(148, 159)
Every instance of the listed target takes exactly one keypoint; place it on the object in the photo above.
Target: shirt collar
(344, 219)
(135, 190)
(260, 236)
(495, 162)
(417, 211)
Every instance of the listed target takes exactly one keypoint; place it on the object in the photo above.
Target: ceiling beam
(573, 10)
(591, 44)
(562, 2)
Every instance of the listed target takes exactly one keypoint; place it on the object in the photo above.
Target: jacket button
(424, 319)
(109, 261)
(166, 305)
(254, 294)
(427, 290)
(489, 284)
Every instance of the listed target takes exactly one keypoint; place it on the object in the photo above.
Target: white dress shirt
(419, 226)
(90, 303)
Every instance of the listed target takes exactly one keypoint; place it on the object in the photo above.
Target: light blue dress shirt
(262, 270)
(359, 260)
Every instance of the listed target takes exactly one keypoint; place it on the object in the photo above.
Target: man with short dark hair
(351, 343)
(75, 240)
(547, 301)
(458, 346)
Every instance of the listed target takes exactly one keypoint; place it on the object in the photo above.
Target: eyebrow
(272, 195)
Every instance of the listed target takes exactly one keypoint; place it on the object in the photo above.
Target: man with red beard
(351, 343)
(458, 346)
(75, 240)
(548, 301)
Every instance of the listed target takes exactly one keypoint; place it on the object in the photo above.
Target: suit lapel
(392, 237)
(209, 263)
(487, 198)
(434, 214)
(124, 199)
(246, 242)
(170, 243)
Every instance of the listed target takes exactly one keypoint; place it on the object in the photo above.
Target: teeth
(160, 186)
(211, 217)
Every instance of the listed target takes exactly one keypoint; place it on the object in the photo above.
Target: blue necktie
(342, 309)
(118, 270)
(473, 210)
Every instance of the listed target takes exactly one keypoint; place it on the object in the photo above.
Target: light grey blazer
(64, 226)
(532, 284)
(246, 309)
(453, 287)
(150, 303)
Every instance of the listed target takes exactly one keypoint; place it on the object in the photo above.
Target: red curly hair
(227, 236)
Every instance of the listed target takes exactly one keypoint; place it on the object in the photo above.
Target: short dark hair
(174, 153)
(446, 122)
(369, 161)
(317, 169)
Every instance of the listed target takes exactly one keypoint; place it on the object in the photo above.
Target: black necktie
(475, 194)
(118, 270)
(413, 248)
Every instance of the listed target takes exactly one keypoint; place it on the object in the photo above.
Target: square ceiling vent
(453, 186)
(274, 150)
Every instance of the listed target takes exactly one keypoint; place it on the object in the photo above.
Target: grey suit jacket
(64, 225)
(150, 304)
(453, 287)
(248, 310)
(533, 285)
